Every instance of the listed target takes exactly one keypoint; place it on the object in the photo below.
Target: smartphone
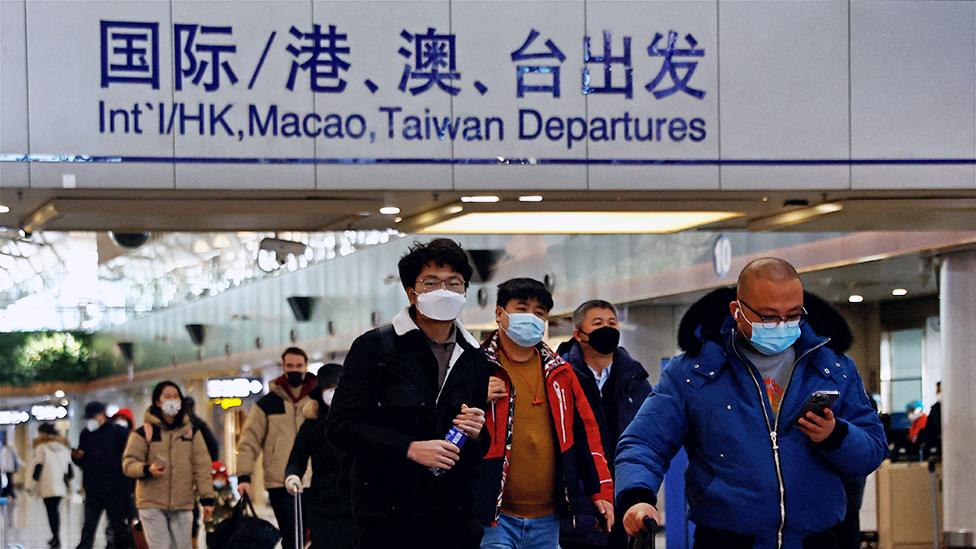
(817, 402)
(160, 462)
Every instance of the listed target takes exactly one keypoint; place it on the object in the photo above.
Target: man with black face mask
(271, 427)
(615, 385)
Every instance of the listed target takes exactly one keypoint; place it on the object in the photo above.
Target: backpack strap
(386, 358)
(387, 345)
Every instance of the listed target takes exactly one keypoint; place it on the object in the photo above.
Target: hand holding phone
(817, 402)
(158, 467)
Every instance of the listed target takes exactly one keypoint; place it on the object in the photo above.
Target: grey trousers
(167, 529)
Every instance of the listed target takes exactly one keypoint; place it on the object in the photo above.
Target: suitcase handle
(645, 538)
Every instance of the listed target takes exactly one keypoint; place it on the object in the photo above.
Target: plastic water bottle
(456, 437)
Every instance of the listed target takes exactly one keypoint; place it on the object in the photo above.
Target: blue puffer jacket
(714, 405)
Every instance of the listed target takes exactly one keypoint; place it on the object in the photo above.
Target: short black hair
(442, 252)
(295, 351)
(525, 289)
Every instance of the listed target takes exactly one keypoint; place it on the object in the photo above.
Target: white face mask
(327, 395)
(92, 425)
(122, 423)
(441, 304)
(171, 407)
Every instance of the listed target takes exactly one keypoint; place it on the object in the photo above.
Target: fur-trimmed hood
(704, 320)
(311, 409)
(44, 438)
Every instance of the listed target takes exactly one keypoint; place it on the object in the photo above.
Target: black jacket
(213, 447)
(328, 495)
(623, 393)
(102, 459)
(388, 398)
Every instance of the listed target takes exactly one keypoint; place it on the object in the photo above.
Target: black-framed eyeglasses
(455, 285)
(772, 321)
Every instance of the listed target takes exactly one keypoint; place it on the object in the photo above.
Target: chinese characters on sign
(205, 56)
(320, 58)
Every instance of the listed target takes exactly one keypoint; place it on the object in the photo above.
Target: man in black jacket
(99, 454)
(615, 385)
(403, 388)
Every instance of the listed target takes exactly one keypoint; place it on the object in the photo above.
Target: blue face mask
(525, 329)
(773, 341)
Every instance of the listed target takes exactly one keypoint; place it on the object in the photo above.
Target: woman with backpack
(52, 475)
(169, 460)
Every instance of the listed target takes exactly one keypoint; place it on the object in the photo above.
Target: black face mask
(295, 379)
(604, 340)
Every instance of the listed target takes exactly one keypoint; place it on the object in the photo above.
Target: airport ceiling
(209, 211)
(889, 279)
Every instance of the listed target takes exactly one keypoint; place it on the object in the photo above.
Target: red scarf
(307, 386)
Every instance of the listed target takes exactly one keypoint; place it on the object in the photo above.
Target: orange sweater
(532, 468)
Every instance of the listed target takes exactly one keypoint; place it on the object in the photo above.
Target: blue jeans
(522, 533)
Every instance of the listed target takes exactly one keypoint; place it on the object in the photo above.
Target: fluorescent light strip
(586, 222)
(531, 198)
(484, 199)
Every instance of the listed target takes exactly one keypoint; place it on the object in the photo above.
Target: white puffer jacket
(52, 454)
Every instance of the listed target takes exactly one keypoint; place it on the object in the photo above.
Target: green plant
(34, 357)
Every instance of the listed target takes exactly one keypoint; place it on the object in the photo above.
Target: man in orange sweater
(534, 472)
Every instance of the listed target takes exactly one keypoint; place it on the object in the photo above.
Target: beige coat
(52, 454)
(271, 428)
(187, 465)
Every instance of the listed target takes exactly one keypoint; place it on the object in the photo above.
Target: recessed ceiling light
(201, 247)
(389, 210)
(59, 394)
(794, 217)
(397, 219)
(855, 298)
(4, 209)
(586, 222)
(483, 199)
(221, 241)
(899, 292)
(531, 198)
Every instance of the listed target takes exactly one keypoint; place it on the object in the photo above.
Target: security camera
(282, 249)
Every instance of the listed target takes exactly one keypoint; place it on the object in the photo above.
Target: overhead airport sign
(236, 387)
(557, 94)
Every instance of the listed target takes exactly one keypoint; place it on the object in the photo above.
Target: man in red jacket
(545, 441)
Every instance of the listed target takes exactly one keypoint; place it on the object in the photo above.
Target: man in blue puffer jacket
(757, 477)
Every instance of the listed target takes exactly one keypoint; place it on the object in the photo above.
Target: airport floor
(24, 525)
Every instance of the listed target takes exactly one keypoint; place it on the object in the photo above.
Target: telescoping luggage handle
(299, 526)
(645, 539)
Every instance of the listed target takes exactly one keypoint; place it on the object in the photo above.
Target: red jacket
(577, 435)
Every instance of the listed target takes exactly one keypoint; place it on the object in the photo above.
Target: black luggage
(244, 530)
(645, 539)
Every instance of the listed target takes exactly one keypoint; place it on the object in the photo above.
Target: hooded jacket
(581, 469)
(328, 494)
(51, 454)
(271, 428)
(182, 449)
(751, 471)
(614, 409)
